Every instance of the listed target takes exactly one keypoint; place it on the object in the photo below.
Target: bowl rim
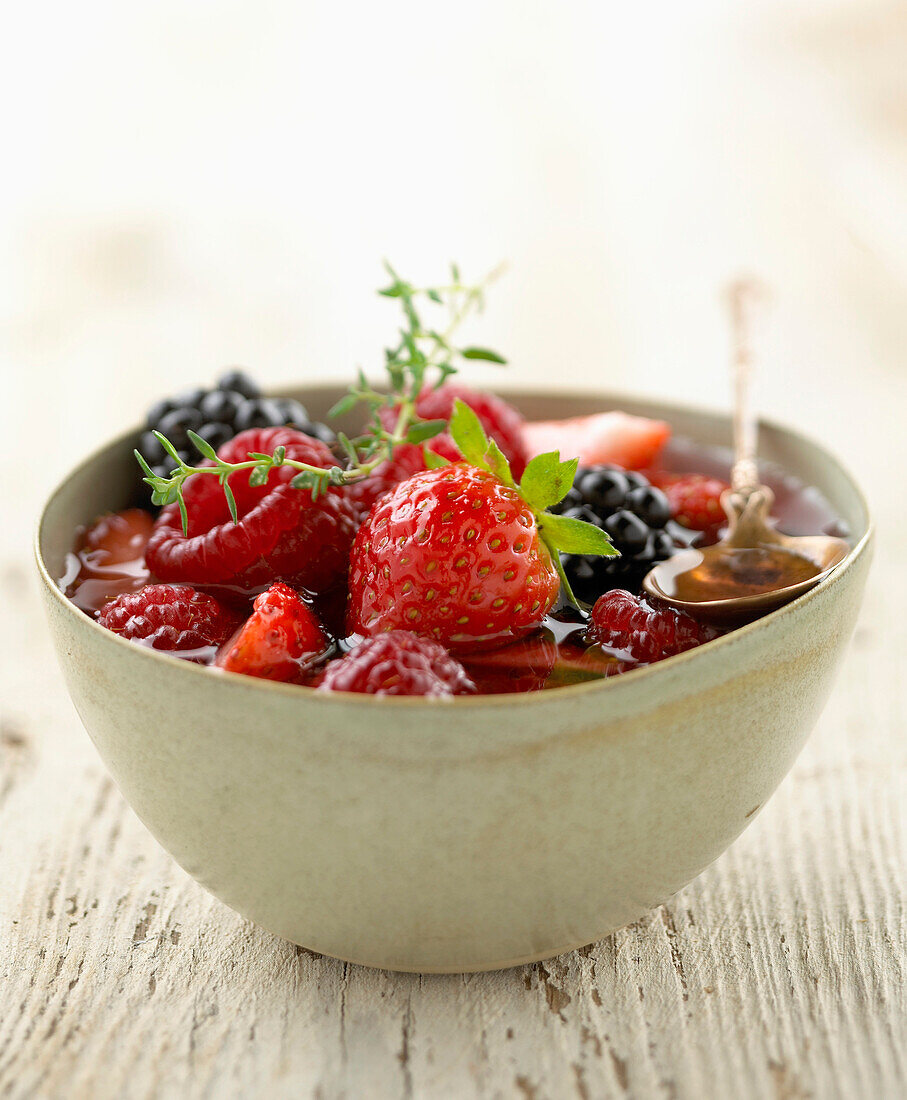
(613, 684)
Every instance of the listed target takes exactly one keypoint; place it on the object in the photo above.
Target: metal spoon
(754, 569)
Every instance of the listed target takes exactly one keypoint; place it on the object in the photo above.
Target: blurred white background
(187, 185)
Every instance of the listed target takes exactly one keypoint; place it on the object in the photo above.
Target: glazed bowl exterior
(465, 834)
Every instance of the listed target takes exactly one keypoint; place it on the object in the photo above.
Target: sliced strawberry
(279, 641)
(617, 438)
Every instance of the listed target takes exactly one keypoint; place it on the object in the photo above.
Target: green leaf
(304, 480)
(349, 448)
(201, 445)
(482, 353)
(183, 514)
(435, 296)
(574, 536)
(231, 499)
(425, 429)
(498, 464)
(259, 476)
(168, 447)
(346, 404)
(433, 461)
(141, 461)
(547, 480)
(468, 434)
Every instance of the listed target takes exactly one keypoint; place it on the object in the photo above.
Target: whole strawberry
(460, 554)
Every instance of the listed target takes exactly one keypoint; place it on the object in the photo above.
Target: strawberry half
(461, 554)
(610, 438)
(280, 640)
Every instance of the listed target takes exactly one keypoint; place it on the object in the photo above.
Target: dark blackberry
(217, 415)
(239, 382)
(636, 517)
(177, 422)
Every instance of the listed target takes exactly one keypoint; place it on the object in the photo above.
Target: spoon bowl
(755, 569)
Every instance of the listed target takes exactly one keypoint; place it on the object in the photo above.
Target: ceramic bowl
(474, 833)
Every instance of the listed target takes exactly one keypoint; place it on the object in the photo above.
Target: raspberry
(169, 617)
(632, 628)
(695, 499)
(279, 641)
(282, 532)
(398, 663)
(455, 555)
(501, 421)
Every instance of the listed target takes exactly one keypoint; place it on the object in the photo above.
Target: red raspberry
(695, 499)
(630, 627)
(282, 532)
(501, 422)
(169, 617)
(280, 639)
(398, 663)
(453, 554)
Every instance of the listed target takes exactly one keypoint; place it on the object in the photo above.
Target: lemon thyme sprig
(424, 355)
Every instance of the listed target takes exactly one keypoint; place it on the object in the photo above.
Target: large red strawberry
(281, 533)
(460, 554)
(279, 641)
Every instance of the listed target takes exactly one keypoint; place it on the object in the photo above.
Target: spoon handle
(745, 297)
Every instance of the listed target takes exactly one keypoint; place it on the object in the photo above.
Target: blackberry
(637, 518)
(217, 415)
